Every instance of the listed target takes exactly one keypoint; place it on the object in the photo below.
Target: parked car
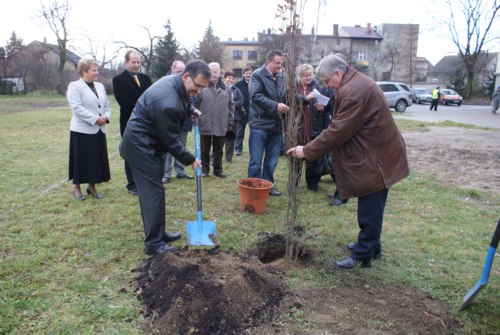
(398, 95)
(422, 95)
(449, 96)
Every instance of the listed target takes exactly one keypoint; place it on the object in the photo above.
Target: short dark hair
(229, 73)
(197, 67)
(247, 68)
(273, 53)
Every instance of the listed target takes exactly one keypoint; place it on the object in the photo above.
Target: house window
(362, 56)
(237, 54)
(252, 55)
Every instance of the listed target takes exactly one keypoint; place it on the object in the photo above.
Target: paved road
(468, 114)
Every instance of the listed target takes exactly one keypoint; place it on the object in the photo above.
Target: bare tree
(390, 56)
(99, 52)
(147, 53)
(478, 18)
(56, 13)
(291, 13)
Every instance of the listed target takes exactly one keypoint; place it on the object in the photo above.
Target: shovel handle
(197, 153)
(496, 236)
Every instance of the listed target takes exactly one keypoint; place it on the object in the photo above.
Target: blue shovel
(486, 270)
(199, 232)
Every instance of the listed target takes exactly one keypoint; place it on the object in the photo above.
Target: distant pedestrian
(435, 99)
(495, 100)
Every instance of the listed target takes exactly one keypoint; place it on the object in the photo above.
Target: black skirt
(88, 158)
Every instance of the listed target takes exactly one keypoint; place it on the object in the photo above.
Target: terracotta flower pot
(254, 193)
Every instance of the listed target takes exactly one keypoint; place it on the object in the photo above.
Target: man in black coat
(242, 85)
(127, 88)
(153, 130)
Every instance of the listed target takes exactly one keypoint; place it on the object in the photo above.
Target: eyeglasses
(195, 83)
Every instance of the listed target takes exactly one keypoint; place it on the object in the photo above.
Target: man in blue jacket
(267, 103)
(152, 131)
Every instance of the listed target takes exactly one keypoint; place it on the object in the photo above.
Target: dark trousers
(240, 136)
(216, 143)
(434, 104)
(152, 201)
(229, 144)
(130, 179)
(312, 179)
(128, 173)
(370, 217)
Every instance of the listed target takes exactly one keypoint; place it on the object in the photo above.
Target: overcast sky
(107, 21)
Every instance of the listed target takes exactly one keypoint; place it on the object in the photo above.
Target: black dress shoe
(274, 193)
(334, 201)
(313, 187)
(171, 236)
(133, 192)
(220, 175)
(352, 245)
(184, 176)
(95, 196)
(349, 263)
(161, 250)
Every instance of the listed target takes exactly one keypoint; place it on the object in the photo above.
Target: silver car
(398, 95)
(422, 95)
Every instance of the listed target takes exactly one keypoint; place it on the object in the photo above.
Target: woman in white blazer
(88, 153)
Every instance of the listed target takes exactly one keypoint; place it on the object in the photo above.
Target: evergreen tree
(210, 49)
(14, 45)
(12, 52)
(166, 51)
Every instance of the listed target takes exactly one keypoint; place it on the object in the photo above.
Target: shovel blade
(482, 281)
(198, 233)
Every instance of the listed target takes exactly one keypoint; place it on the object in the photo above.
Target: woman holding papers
(317, 110)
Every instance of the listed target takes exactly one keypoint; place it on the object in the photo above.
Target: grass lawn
(67, 266)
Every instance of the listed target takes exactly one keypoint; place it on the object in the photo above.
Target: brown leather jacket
(369, 152)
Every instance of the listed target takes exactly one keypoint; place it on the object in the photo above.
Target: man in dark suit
(152, 131)
(242, 85)
(127, 88)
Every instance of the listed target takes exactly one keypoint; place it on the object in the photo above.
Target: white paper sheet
(320, 98)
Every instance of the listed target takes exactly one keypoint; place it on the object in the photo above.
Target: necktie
(137, 80)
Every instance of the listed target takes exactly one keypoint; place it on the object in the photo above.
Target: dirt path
(467, 158)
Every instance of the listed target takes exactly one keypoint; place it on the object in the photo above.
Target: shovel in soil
(200, 233)
(486, 270)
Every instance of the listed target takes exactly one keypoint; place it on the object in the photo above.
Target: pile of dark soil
(213, 292)
(207, 292)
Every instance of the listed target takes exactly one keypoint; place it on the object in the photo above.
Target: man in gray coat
(369, 152)
(152, 131)
(216, 104)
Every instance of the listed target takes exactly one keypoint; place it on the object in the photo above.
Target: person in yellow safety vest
(435, 99)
